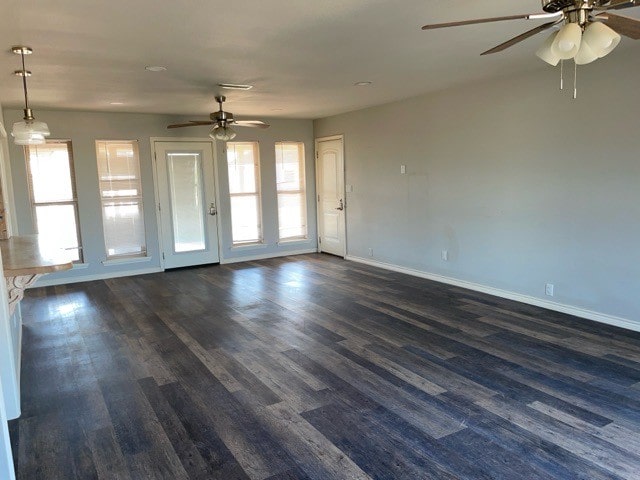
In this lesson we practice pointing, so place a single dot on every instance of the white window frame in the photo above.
(121, 258)
(257, 193)
(74, 194)
(302, 191)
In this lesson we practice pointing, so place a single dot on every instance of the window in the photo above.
(292, 197)
(52, 190)
(244, 189)
(121, 197)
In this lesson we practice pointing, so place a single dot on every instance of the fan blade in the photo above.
(529, 16)
(251, 123)
(192, 123)
(627, 26)
(619, 5)
(521, 37)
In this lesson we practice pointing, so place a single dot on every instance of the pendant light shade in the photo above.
(601, 39)
(223, 133)
(29, 131)
(567, 41)
(545, 52)
(585, 54)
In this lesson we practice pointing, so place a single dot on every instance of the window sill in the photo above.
(79, 266)
(125, 260)
(249, 246)
(293, 241)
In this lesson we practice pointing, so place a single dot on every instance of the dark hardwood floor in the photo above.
(312, 367)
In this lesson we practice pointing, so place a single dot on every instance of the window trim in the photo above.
(74, 192)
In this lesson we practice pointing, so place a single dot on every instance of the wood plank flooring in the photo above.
(311, 367)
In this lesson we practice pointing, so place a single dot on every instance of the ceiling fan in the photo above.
(222, 122)
(590, 30)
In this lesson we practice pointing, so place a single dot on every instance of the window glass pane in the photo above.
(121, 195)
(187, 197)
(58, 223)
(292, 203)
(245, 222)
(242, 168)
(289, 167)
(292, 215)
(124, 227)
(50, 169)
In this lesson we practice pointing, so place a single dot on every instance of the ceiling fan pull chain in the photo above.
(561, 74)
(575, 80)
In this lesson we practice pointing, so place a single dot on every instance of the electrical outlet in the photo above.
(403, 169)
(548, 289)
(445, 255)
(371, 252)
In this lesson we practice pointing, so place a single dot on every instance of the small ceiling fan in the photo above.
(590, 30)
(222, 122)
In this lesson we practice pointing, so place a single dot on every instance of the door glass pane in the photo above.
(58, 223)
(187, 201)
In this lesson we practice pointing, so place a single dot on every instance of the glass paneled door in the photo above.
(187, 203)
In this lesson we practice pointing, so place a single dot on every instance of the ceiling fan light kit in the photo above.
(28, 131)
(589, 30)
(222, 133)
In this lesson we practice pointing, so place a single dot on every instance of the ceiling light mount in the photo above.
(21, 50)
(29, 131)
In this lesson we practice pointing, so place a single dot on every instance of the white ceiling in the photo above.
(302, 56)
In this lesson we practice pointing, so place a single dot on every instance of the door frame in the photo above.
(344, 188)
(156, 191)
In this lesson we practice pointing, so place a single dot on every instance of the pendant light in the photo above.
(29, 131)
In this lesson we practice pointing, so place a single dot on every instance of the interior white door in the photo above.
(331, 199)
(187, 203)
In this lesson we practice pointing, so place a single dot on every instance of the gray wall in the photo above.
(84, 128)
(520, 183)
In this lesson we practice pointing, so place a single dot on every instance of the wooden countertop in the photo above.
(31, 255)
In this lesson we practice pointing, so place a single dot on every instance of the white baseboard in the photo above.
(518, 297)
(45, 282)
(264, 256)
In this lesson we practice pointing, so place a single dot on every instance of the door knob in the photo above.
(341, 207)
(212, 210)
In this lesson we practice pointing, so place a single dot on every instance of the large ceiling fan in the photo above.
(222, 122)
(590, 31)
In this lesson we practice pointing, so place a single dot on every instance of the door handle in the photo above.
(212, 210)
(341, 207)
